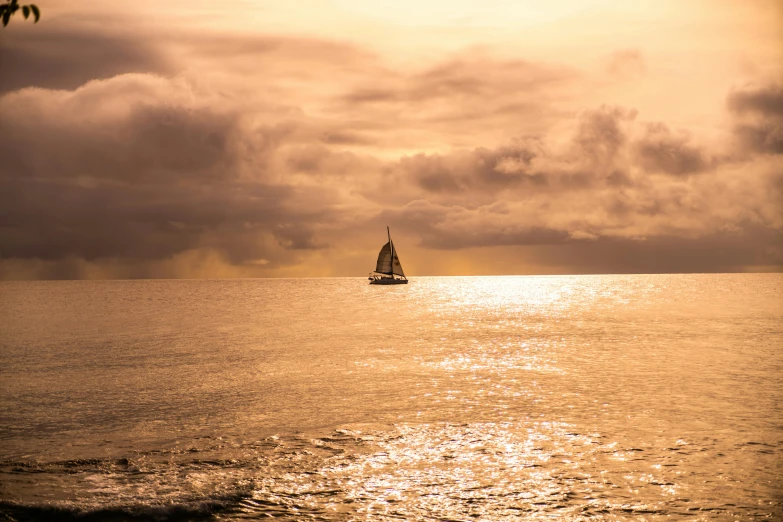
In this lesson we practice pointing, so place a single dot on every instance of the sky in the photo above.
(251, 138)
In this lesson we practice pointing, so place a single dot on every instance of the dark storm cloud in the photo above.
(134, 169)
(601, 134)
(53, 220)
(766, 100)
(66, 55)
(661, 150)
(151, 144)
(67, 52)
(618, 187)
(608, 149)
(143, 168)
(759, 113)
(482, 169)
(598, 142)
(764, 136)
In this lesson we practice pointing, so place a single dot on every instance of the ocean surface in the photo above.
(640, 397)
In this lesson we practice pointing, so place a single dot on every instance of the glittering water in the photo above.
(497, 398)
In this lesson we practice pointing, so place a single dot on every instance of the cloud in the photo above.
(759, 111)
(607, 148)
(143, 168)
(602, 134)
(68, 54)
(766, 100)
(457, 101)
(281, 155)
(615, 181)
(661, 150)
(116, 129)
(465, 78)
(482, 169)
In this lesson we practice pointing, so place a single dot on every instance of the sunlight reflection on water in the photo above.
(495, 471)
(607, 397)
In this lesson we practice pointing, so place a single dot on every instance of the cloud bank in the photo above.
(228, 156)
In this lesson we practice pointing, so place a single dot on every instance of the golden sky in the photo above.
(248, 138)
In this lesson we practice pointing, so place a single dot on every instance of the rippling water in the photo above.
(492, 398)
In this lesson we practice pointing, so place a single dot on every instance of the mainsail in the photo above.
(385, 264)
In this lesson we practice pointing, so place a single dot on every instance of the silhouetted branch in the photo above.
(10, 7)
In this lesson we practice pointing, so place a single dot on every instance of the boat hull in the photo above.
(389, 281)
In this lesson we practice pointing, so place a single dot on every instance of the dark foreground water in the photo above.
(497, 398)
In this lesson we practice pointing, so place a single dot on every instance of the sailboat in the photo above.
(388, 270)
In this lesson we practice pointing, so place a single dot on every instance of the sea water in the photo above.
(633, 397)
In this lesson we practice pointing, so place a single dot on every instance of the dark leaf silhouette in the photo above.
(10, 7)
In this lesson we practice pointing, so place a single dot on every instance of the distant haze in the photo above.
(249, 138)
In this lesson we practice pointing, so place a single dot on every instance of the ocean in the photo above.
(627, 397)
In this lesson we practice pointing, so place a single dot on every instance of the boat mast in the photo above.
(391, 252)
